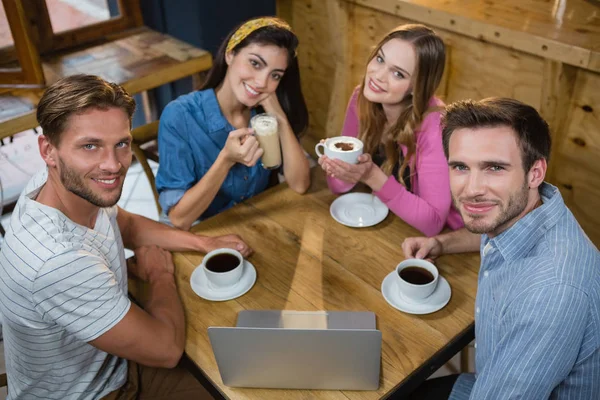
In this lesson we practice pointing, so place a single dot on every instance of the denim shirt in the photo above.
(537, 311)
(191, 134)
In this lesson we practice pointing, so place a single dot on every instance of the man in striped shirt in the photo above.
(537, 312)
(69, 326)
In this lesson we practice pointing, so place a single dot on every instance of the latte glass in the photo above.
(267, 134)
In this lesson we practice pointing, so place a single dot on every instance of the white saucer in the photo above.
(438, 299)
(200, 285)
(358, 210)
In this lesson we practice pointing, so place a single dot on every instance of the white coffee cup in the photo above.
(334, 148)
(412, 290)
(223, 275)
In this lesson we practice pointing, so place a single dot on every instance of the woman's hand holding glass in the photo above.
(242, 147)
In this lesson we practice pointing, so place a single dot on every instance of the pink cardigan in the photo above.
(429, 208)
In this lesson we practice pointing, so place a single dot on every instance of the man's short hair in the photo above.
(76, 94)
(533, 134)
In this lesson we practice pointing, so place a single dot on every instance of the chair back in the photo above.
(141, 135)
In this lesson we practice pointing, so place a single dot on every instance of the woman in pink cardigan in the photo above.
(395, 114)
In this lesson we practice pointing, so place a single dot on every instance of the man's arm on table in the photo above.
(78, 291)
(459, 241)
(154, 336)
(138, 231)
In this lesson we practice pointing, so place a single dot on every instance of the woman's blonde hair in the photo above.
(430, 53)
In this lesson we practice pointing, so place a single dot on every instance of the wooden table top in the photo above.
(306, 261)
(563, 30)
(141, 61)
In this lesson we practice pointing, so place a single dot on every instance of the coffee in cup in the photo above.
(223, 268)
(342, 146)
(416, 275)
(267, 134)
(345, 148)
(416, 279)
(222, 262)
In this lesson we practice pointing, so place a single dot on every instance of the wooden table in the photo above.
(141, 61)
(306, 261)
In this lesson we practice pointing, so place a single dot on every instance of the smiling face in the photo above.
(489, 186)
(255, 71)
(94, 155)
(389, 73)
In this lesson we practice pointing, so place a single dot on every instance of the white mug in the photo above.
(334, 148)
(227, 279)
(412, 291)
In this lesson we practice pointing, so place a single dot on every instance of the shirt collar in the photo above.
(519, 239)
(212, 111)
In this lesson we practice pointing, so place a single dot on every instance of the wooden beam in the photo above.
(557, 96)
(26, 49)
(284, 10)
(456, 17)
(40, 25)
(341, 38)
(130, 9)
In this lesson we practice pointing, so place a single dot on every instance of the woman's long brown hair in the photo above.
(430, 59)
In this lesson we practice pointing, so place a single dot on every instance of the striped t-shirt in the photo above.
(61, 286)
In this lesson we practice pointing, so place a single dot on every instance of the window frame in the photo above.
(33, 37)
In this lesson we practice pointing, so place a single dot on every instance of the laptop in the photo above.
(335, 350)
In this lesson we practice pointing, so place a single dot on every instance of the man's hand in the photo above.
(228, 241)
(151, 263)
(422, 247)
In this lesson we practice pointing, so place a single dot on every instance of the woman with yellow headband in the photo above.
(208, 154)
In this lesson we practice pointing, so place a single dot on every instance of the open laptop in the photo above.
(299, 350)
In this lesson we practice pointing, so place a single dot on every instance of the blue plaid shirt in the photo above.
(537, 312)
(191, 134)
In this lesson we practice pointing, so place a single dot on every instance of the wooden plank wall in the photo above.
(336, 37)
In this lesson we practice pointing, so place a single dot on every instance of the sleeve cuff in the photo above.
(119, 312)
(168, 198)
(338, 186)
(462, 387)
(390, 190)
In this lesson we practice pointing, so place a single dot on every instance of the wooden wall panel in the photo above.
(580, 189)
(479, 70)
(317, 66)
(581, 143)
(576, 163)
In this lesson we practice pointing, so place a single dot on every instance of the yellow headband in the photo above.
(252, 25)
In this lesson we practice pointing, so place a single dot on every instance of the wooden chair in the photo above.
(142, 135)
